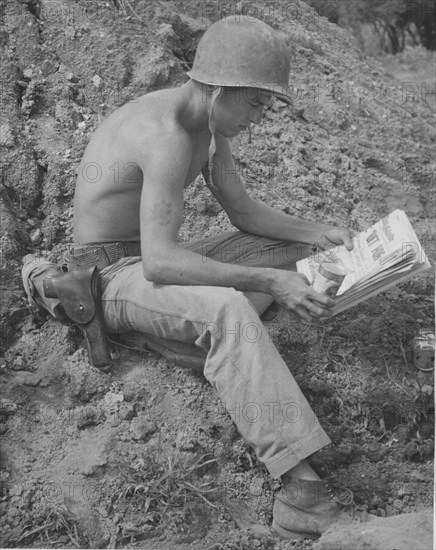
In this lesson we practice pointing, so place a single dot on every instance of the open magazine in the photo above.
(384, 255)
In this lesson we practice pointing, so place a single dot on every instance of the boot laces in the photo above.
(339, 494)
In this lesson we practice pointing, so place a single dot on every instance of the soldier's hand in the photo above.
(292, 290)
(334, 237)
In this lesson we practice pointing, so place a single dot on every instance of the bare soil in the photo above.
(146, 457)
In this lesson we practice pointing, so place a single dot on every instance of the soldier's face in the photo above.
(237, 108)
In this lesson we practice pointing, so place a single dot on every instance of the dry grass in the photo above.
(167, 489)
(49, 524)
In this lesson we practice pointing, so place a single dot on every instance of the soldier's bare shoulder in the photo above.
(147, 115)
(135, 132)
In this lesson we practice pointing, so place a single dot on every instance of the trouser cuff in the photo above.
(291, 456)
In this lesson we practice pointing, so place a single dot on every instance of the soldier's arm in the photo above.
(165, 262)
(257, 218)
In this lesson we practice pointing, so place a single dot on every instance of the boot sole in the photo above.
(292, 535)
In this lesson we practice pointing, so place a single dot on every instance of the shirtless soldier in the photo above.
(202, 301)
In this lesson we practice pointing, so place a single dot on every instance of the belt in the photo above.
(101, 254)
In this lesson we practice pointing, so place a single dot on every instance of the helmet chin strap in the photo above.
(212, 129)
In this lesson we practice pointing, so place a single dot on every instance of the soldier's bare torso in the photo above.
(109, 183)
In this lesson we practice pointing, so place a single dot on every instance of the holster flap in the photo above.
(77, 290)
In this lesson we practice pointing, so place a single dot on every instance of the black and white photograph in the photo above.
(217, 273)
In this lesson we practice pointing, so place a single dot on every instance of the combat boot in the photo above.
(305, 509)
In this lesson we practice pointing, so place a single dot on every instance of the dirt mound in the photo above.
(147, 456)
(406, 532)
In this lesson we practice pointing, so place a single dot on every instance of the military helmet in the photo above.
(241, 51)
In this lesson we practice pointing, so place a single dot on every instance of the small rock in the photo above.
(45, 382)
(13, 512)
(89, 416)
(112, 398)
(375, 454)
(4, 475)
(96, 80)
(403, 491)
(256, 487)
(415, 474)
(375, 501)
(398, 504)
(165, 31)
(142, 426)
(130, 393)
(7, 406)
(71, 77)
(327, 179)
(28, 73)
(49, 66)
(31, 379)
(269, 158)
(18, 363)
(127, 412)
(286, 137)
(36, 236)
(402, 433)
(6, 136)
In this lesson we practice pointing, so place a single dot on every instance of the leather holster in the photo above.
(79, 294)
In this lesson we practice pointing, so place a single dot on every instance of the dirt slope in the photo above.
(147, 457)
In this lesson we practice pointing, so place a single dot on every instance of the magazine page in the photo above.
(388, 243)
(391, 278)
